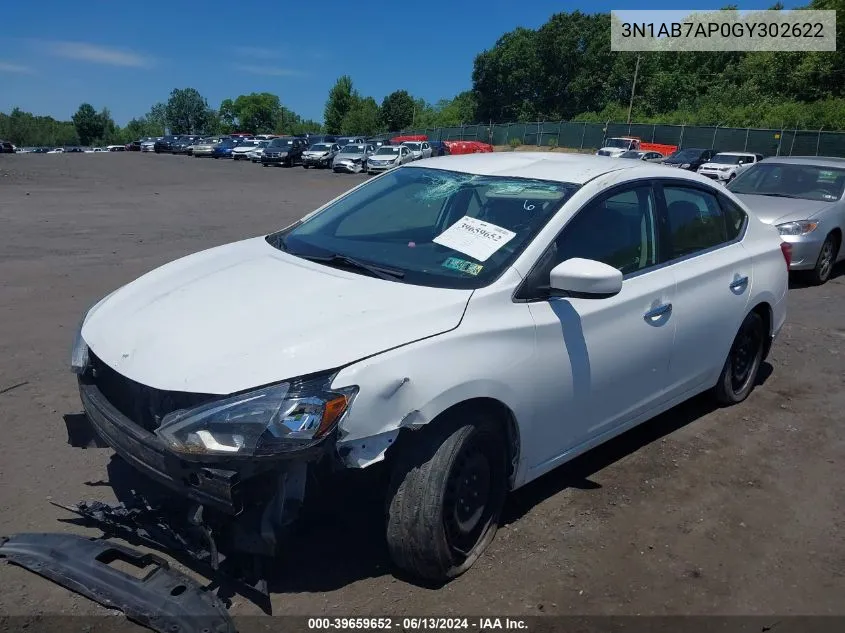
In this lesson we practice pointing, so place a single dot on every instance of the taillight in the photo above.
(786, 249)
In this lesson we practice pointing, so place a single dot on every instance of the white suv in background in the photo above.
(726, 166)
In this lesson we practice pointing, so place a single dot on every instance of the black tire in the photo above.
(739, 374)
(826, 261)
(264, 165)
(447, 489)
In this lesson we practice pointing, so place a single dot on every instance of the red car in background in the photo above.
(468, 147)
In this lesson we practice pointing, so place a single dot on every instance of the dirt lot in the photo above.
(735, 511)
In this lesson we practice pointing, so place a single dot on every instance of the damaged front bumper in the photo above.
(348, 166)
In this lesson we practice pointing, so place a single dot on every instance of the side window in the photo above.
(620, 231)
(734, 217)
(696, 222)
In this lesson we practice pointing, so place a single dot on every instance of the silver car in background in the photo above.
(320, 155)
(419, 149)
(205, 146)
(803, 198)
(352, 158)
(641, 154)
(255, 154)
(387, 157)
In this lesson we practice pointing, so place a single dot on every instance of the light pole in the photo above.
(633, 88)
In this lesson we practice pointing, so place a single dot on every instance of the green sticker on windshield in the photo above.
(462, 265)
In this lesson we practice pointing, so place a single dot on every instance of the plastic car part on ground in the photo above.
(163, 599)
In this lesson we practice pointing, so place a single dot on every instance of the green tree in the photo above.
(397, 110)
(88, 124)
(257, 112)
(157, 119)
(340, 101)
(187, 111)
(363, 117)
(458, 110)
(506, 77)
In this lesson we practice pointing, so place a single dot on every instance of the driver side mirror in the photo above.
(585, 278)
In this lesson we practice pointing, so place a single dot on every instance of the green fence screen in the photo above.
(589, 136)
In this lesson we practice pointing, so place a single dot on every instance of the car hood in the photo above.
(246, 314)
(315, 152)
(718, 166)
(340, 157)
(773, 210)
(244, 150)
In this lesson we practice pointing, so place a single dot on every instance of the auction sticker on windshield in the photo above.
(475, 238)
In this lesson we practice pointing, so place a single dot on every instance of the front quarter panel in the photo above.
(489, 355)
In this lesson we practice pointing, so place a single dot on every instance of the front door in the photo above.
(602, 361)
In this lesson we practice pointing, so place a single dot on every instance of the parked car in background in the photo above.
(320, 155)
(438, 148)
(725, 166)
(617, 145)
(419, 149)
(285, 151)
(256, 153)
(134, 146)
(639, 154)
(205, 146)
(803, 198)
(352, 158)
(376, 142)
(74, 150)
(96, 150)
(388, 157)
(689, 159)
(343, 141)
(225, 148)
(41, 150)
(242, 149)
(148, 144)
(181, 145)
(165, 144)
(443, 334)
(6, 147)
(58, 150)
(116, 148)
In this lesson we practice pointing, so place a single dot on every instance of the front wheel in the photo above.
(739, 373)
(825, 262)
(447, 491)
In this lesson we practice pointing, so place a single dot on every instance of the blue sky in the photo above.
(126, 56)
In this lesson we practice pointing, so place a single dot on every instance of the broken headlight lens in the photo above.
(285, 417)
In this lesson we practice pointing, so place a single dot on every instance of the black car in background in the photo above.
(285, 151)
(6, 147)
(181, 145)
(134, 146)
(690, 159)
(165, 144)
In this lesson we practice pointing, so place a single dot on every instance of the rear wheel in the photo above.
(826, 260)
(447, 490)
(739, 373)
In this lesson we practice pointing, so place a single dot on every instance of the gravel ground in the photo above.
(700, 511)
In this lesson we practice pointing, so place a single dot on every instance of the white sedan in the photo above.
(419, 149)
(475, 321)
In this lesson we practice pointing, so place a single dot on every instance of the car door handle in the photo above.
(739, 282)
(659, 311)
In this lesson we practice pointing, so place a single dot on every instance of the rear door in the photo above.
(713, 275)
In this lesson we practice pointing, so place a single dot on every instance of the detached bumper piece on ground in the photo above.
(164, 599)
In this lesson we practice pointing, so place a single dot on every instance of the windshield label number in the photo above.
(476, 238)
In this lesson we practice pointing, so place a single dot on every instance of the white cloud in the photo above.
(9, 67)
(273, 71)
(96, 54)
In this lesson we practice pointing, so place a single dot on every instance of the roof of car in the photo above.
(819, 161)
(735, 154)
(560, 167)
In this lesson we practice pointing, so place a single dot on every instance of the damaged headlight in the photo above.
(79, 352)
(285, 417)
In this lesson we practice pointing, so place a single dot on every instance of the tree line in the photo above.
(563, 70)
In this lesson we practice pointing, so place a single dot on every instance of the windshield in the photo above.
(248, 144)
(413, 146)
(353, 149)
(791, 181)
(730, 159)
(438, 228)
(631, 154)
(387, 151)
(685, 155)
(281, 142)
(320, 147)
(617, 142)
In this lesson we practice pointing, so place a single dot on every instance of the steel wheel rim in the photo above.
(826, 259)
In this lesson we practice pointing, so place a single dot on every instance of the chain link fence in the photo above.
(589, 136)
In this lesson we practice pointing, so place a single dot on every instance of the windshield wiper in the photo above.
(771, 195)
(376, 271)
